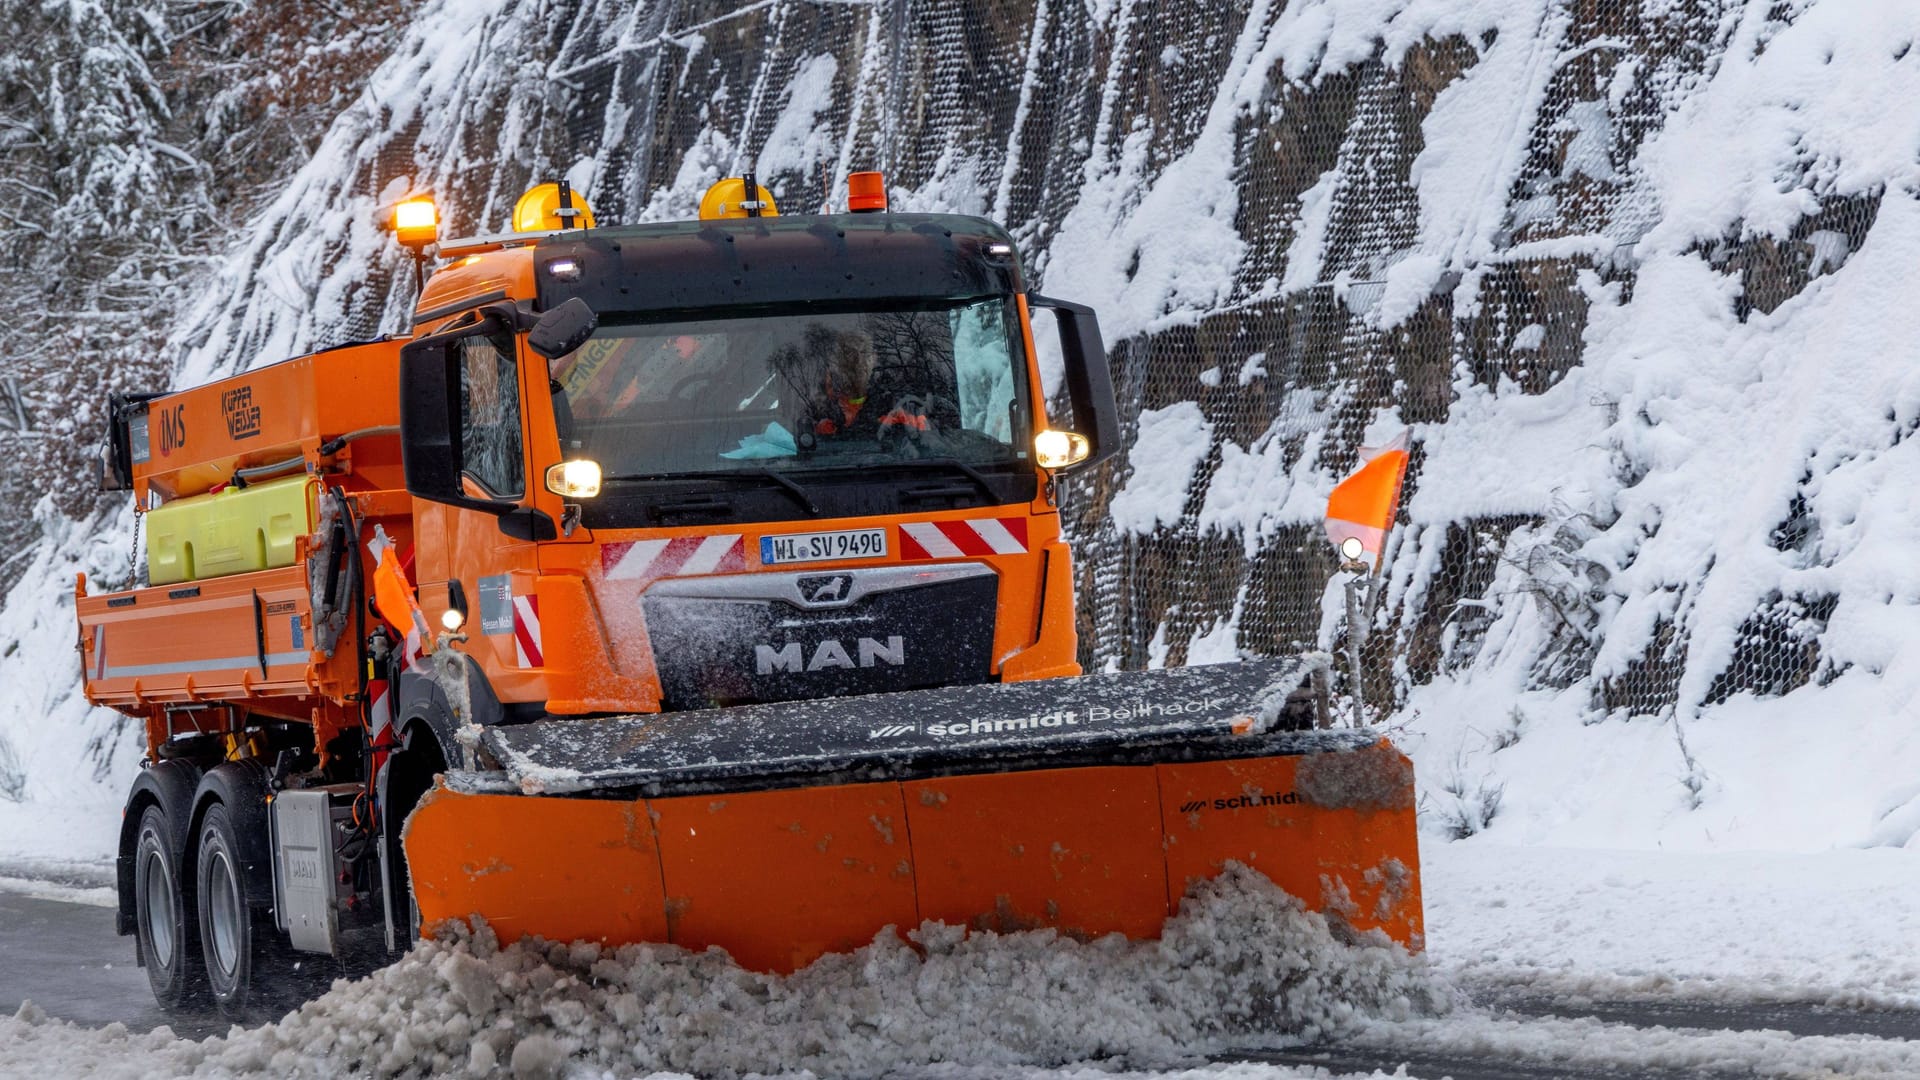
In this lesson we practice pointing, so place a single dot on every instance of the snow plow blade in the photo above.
(782, 832)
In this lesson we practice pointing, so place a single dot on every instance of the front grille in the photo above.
(817, 633)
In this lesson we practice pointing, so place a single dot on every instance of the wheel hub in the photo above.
(224, 911)
(159, 905)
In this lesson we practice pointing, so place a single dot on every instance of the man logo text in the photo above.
(830, 654)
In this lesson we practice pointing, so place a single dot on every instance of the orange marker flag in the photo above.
(392, 594)
(1362, 505)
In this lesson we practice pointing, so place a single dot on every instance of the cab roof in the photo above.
(776, 261)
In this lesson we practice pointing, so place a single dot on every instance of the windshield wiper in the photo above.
(972, 473)
(793, 489)
(799, 493)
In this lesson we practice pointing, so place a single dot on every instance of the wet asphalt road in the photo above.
(65, 958)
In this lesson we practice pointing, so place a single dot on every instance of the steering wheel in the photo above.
(683, 389)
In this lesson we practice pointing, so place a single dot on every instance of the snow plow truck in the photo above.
(698, 582)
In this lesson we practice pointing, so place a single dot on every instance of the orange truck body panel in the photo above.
(222, 639)
(245, 641)
(198, 437)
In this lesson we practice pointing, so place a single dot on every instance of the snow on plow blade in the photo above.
(782, 832)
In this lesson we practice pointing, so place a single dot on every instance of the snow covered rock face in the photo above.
(1636, 273)
(1242, 958)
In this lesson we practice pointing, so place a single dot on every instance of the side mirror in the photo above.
(529, 524)
(1089, 381)
(430, 450)
(562, 330)
(126, 440)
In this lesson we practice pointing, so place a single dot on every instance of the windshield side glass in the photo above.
(490, 415)
(799, 390)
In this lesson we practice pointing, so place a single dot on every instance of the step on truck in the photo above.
(697, 582)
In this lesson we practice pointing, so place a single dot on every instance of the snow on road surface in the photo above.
(1241, 958)
(1242, 966)
(1835, 927)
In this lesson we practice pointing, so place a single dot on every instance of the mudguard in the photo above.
(242, 787)
(170, 784)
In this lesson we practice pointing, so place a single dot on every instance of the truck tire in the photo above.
(404, 780)
(165, 927)
(239, 944)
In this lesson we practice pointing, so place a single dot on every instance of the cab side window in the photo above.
(490, 449)
(985, 365)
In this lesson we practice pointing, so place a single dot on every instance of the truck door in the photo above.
(465, 406)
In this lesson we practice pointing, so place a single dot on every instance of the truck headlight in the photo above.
(574, 479)
(1059, 449)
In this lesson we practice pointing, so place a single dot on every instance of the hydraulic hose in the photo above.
(332, 446)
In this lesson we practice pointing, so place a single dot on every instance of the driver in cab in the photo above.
(845, 362)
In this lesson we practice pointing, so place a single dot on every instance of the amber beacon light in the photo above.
(416, 223)
(866, 192)
(551, 206)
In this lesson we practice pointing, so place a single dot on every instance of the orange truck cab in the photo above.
(771, 458)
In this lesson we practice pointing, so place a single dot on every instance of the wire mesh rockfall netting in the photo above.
(1305, 226)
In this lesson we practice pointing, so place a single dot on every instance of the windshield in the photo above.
(797, 390)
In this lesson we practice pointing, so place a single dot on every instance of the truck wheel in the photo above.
(237, 943)
(167, 933)
(408, 776)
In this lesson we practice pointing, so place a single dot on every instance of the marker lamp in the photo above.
(416, 222)
(1059, 449)
(574, 479)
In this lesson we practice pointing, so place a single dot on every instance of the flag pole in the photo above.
(1359, 517)
(1357, 586)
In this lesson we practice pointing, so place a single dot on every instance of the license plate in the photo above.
(823, 546)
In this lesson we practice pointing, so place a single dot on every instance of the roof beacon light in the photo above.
(866, 192)
(551, 206)
(416, 223)
(728, 199)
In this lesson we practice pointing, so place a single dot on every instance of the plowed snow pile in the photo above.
(1241, 958)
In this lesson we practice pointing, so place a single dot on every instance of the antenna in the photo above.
(750, 197)
(566, 212)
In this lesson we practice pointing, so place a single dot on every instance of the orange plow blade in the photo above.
(1092, 824)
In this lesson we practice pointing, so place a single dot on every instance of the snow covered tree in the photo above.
(135, 136)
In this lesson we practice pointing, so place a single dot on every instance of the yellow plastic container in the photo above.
(229, 532)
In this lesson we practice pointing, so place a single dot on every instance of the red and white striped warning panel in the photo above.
(973, 536)
(689, 556)
(526, 631)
